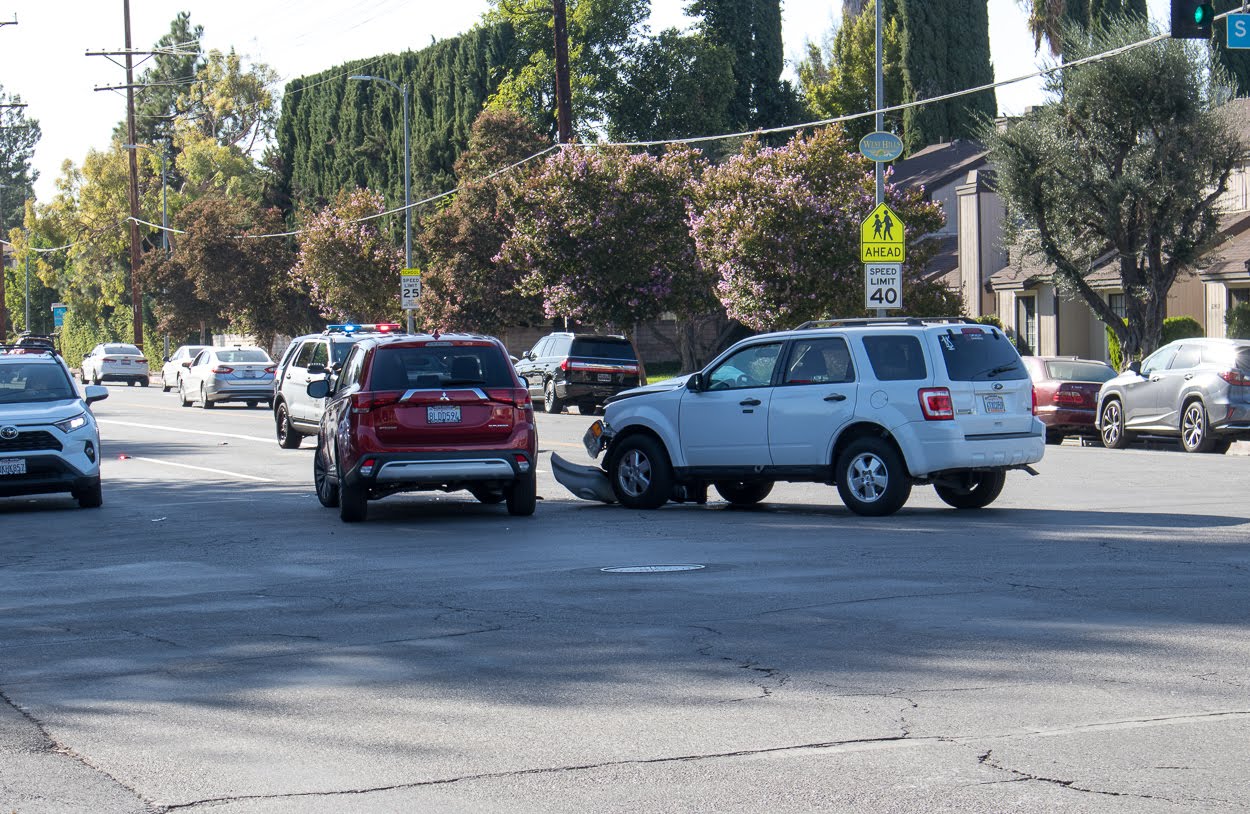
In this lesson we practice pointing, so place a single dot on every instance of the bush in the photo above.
(1181, 328)
(1237, 321)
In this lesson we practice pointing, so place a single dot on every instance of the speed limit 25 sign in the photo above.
(410, 288)
(883, 285)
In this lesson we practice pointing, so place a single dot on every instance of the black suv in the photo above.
(584, 369)
(307, 359)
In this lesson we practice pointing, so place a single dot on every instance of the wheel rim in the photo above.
(1111, 424)
(549, 396)
(319, 475)
(868, 477)
(282, 424)
(1193, 428)
(633, 473)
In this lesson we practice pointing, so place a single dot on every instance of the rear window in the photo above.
(896, 358)
(603, 349)
(976, 355)
(1243, 359)
(441, 366)
(1074, 371)
(123, 350)
(242, 356)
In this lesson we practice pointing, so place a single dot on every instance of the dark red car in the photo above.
(1065, 394)
(421, 413)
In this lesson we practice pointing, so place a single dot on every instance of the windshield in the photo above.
(242, 356)
(977, 355)
(603, 349)
(1077, 371)
(34, 382)
(123, 350)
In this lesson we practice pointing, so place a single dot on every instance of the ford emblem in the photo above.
(998, 385)
(8, 433)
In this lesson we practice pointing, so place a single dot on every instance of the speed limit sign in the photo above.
(410, 288)
(883, 285)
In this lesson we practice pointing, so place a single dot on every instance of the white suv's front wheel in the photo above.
(641, 475)
(872, 478)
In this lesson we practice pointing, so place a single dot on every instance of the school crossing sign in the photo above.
(881, 237)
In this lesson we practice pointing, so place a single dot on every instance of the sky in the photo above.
(43, 58)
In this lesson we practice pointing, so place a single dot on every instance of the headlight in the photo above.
(71, 424)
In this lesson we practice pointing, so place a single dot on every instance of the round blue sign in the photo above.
(881, 146)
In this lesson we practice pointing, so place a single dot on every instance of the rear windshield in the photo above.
(603, 349)
(34, 382)
(242, 356)
(442, 366)
(977, 355)
(123, 350)
(1243, 359)
(1076, 371)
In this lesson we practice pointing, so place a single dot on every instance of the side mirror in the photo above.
(166, 359)
(86, 356)
(696, 382)
(318, 389)
(95, 392)
(1135, 366)
(316, 369)
(187, 363)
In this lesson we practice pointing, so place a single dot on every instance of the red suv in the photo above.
(421, 413)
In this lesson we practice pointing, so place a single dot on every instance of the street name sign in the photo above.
(58, 314)
(881, 237)
(881, 147)
(1239, 30)
(410, 288)
(883, 285)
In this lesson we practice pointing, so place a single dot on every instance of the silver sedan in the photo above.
(228, 374)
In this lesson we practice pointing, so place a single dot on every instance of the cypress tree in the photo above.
(751, 31)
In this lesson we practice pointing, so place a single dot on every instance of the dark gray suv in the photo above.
(1196, 390)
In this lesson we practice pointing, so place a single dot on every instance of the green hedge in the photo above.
(78, 336)
(1175, 328)
(1237, 321)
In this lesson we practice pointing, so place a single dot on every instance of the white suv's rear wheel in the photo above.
(872, 479)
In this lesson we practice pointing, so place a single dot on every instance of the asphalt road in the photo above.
(212, 639)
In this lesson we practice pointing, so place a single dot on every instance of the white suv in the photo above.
(872, 405)
(49, 441)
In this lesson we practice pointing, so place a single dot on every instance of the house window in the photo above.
(1116, 301)
(1026, 325)
(1238, 296)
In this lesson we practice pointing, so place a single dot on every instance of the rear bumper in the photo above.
(134, 375)
(261, 391)
(942, 446)
(1069, 419)
(393, 471)
(581, 391)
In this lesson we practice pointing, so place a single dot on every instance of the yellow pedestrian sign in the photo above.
(881, 237)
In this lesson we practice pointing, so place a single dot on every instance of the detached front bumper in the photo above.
(586, 482)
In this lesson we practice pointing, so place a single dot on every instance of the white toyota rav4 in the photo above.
(874, 406)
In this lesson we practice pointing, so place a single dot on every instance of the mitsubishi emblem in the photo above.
(444, 397)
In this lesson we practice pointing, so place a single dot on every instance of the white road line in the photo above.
(189, 432)
(200, 468)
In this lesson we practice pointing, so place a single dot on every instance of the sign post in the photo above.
(410, 292)
(883, 250)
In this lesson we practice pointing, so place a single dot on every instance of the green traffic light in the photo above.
(1200, 15)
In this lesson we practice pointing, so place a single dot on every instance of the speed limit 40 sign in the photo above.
(883, 285)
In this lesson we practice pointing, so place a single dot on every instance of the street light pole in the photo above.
(403, 90)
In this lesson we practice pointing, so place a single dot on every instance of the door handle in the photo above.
(750, 402)
(835, 397)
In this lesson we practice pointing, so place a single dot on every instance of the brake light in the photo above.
(516, 396)
(1034, 390)
(1235, 377)
(223, 369)
(271, 370)
(564, 365)
(936, 404)
(141, 361)
(364, 402)
(109, 359)
(1072, 398)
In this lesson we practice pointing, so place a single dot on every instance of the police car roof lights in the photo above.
(352, 327)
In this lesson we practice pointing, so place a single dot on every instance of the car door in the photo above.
(814, 398)
(335, 429)
(1141, 393)
(194, 375)
(725, 425)
(1172, 382)
(529, 370)
(91, 364)
(295, 381)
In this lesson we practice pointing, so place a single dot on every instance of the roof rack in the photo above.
(859, 322)
(28, 350)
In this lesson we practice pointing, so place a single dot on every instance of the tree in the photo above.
(780, 230)
(1125, 164)
(946, 48)
(18, 137)
(840, 79)
(1049, 18)
(174, 69)
(466, 286)
(349, 268)
(603, 234)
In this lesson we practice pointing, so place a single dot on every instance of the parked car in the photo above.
(1065, 394)
(417, 413)
(176, 363)
(217, 375)
(49, 441)
(307, 359)
(115, 362)
(874, 406)
(1196, 390)
(35, 344)
(581, 369)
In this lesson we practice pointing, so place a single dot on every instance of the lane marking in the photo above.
(182, 430)
(225, 472)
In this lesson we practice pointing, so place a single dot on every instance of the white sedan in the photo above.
(176, 363)
(228, 374)
(115, 362)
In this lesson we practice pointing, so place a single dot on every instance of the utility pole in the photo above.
(4, 310)
(564, 107)
(880, 170)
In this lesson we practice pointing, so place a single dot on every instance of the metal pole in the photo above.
(164, 208)
(136, 255)
(880, 169)
(407, 200)
(27, 281)
(4, 311)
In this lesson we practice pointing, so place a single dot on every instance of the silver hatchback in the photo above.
(1196, 390)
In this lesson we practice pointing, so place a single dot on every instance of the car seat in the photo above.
(466, 368)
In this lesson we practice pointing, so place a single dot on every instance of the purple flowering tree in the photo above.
(779, 230)
(350, 269)
(604, 237)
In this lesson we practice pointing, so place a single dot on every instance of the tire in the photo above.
(132, 382)
(586, 407)
(1221, 446)
(488, 496)
(1114, 436)
(95, 379)
(551, 402)
(872, 478)
(1054, 438)
(288, 436)
(144, 382)
(742, 493)
(205, 404)
(522, 495)
(353, 501)
(82, 375)
(982, 490)
(183, 401)
(90, 498)
(327, 490)
(164, 387)
(251, 405)
(1195, 430)
(641, 475)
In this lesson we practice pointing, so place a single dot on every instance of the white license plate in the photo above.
(124, 362)
(12, 466)
(994, 404)
(442, 415)
(248, 374)
(605, 377)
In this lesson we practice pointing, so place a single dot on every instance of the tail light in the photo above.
(272, 369)
(223, 369)
(1069, 398)
(564, 365)
(936, 404)
(518, 397)
(109, 359)
(1235, 377)
(1034, 399)
(365, 402)
(141, 361)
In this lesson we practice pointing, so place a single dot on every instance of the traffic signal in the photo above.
(1191, 19)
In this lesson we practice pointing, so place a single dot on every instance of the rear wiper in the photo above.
(994, 371)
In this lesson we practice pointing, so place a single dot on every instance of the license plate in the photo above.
(994, 404)
(248, 374)
(605, 377)
(12, 466)
(124, 362)
(442, 415)
(593, 439)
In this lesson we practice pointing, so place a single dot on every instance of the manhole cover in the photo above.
(650, 569)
